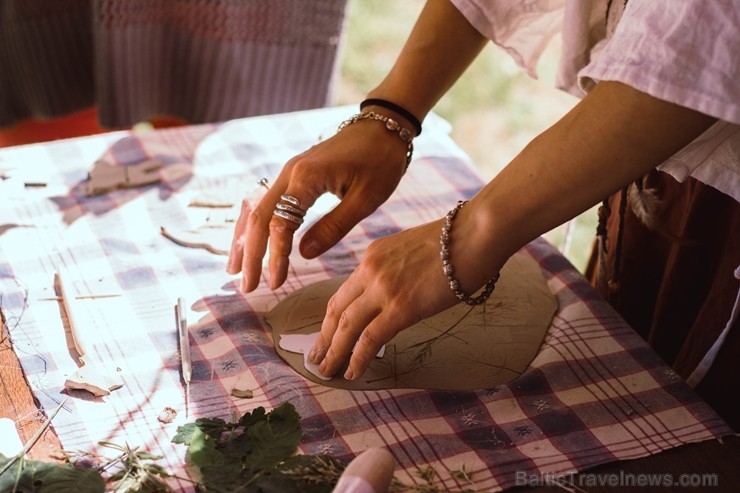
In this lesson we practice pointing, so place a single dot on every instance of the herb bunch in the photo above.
(256, 454)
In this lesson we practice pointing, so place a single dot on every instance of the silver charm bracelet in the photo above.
(444, 254)
(390, 124)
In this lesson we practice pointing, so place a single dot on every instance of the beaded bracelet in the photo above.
(394, 107)
(390, 124)
(444, 254)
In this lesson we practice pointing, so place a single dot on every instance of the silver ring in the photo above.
(290, 199)
(264, 182)
(290, 208)
(288, 216)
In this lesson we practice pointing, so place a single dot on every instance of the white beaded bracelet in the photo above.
(444, 254)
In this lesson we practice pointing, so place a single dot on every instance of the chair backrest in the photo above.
(198, 60)
(206, 60)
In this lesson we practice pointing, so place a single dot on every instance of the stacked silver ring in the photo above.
(289, 208)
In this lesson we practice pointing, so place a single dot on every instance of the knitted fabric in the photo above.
(200, 60)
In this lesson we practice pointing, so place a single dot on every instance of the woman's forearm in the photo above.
(613, 136)
(441, 46)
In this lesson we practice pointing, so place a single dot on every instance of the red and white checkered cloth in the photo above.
(595, 393)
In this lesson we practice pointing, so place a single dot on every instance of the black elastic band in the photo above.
(394, 107)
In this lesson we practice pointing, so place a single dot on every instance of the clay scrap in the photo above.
(106, 176)
(217, 229)
(92, 376)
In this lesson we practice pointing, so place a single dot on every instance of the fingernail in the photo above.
(322, 367)
(312, 355)
(311, 249)
(244, 285)
(278, 276)
(349, 375)
(317, 354)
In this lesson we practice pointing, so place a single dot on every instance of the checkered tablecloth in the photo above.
(595, 393)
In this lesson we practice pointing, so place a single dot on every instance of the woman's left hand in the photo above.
(399, 282)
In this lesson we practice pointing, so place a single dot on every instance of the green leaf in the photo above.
(260, 440)
(219, 472)
(255, 416)
(243, 455)
(184, 433)
(275, 438)
(50, 477)
(203, 453)
(214, 427)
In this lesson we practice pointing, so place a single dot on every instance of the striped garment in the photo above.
(199, 60)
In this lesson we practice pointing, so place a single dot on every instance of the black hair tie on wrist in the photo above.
(394, 107)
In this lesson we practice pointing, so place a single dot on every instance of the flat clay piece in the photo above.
(461, 348)
(105, 176)
(216, 233)
(302, 344)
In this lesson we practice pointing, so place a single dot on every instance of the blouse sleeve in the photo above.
(685, 52)
(688, 53)
(521, 27)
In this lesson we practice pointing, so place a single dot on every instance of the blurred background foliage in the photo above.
(494, 108)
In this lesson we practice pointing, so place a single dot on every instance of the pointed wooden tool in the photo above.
(187, 368)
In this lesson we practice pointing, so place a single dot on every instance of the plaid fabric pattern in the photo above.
(595, 393)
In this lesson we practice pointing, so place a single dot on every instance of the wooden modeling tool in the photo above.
(83, 297)
(90, 376)
(369, 472)
(187, 368)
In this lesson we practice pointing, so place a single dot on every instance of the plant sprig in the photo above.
(253, 454)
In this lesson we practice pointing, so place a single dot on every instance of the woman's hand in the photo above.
(362, 165)
(399, 282)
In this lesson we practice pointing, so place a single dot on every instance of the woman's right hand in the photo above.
(362, 165)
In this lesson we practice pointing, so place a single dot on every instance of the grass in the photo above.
(494, 108)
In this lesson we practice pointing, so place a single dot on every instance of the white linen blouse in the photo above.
(685, 52)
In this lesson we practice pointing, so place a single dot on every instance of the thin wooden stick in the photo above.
(187, 368)
(83, 297)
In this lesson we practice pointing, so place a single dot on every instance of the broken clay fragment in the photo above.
(242, 393)
(167, 415)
